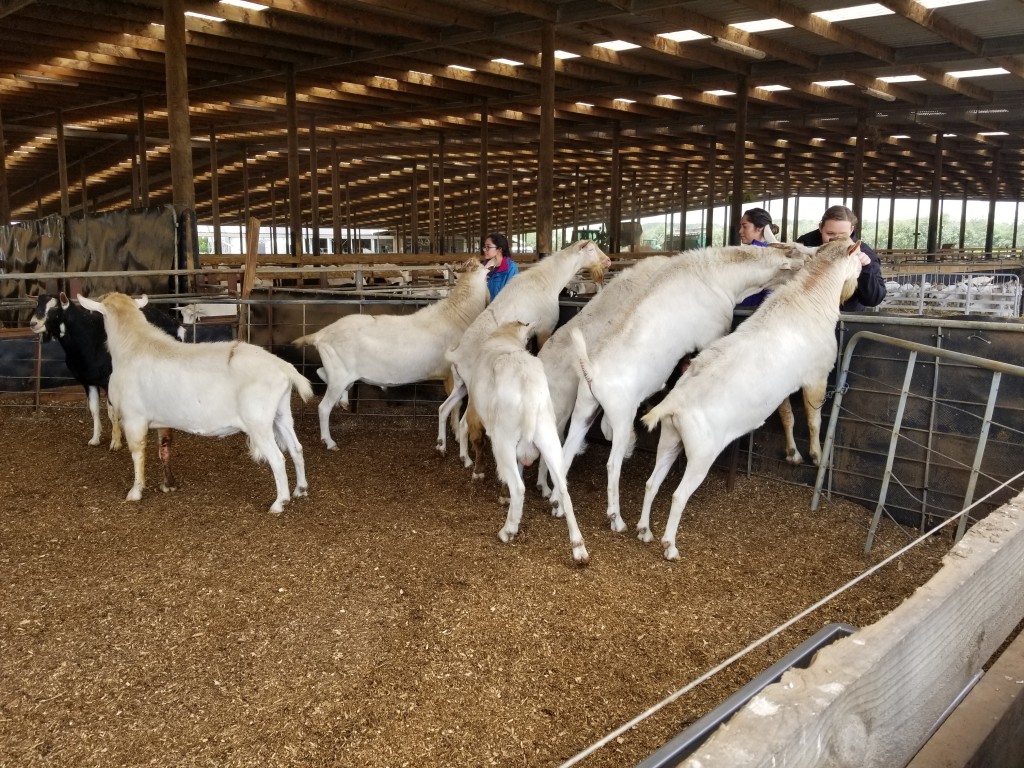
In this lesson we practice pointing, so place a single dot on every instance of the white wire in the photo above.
(778, 630)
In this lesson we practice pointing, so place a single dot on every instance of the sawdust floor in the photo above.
(380, 622)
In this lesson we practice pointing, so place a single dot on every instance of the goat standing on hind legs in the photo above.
(733, 385)
(511, 396)
(216, 389)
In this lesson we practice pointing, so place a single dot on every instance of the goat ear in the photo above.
(90, 304)
(142, 301)
(852, 248)
(65, 302)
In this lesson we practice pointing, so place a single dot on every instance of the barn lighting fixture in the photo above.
(993, 133)
(683, 36)
(203, 16)
(932, 4)
(979, 72)
(854, 12)
(879, 94)
(617, 45)
(245, 4)
(45, 80)
(762, 25)
(902, 79)
(734, 47)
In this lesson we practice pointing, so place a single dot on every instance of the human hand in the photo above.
(864, 258)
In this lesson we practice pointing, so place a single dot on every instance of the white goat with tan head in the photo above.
(510, 393)
(733, 385)
(687, 306)
(391, 350)
(531, 297)
(216, 389)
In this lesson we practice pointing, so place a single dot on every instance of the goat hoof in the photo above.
(795, 458)
(580, 554)
(96, 441)
(478, 475)
(165, 488)
(135, 494)
(616, 523)
(506, 536)
(300, 490)
(440, 448)
(276, 508)
(332, 446)
(557, 511)
(671, 553)
(644, 534)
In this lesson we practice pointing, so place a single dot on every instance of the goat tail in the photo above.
(652, 417)
(301, 384)
(580, 344)
(308, 340)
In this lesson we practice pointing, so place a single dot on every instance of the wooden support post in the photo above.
(441, 212)
(336, 197)
(5, 200)
(709, 224)
(143, 156)
(414, 210)
(546, 152)
(182, 178)
(993, 199)
(933, 211)
(215, 192)
(615, 204)
(858, 167)
(739, 157)
(294, 194)
(484, 173)
(314, 194)
(62, 167)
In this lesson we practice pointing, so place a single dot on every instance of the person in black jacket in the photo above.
(840, 221)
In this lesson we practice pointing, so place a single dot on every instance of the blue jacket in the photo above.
(870, 285)
(497, 277)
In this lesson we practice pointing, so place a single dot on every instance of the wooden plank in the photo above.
(870, 700)
(987, 729)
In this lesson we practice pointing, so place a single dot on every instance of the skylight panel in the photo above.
(565, 55)
(683, 36)
(902, 79)
(854, 12)
(993, 133)
(720, 92)
(773, 87)
(831, 83)
(979, 72)
(617, 45)
(669, 96)
(762, 25)
(508, 62)
(625, 101)
(459, 66)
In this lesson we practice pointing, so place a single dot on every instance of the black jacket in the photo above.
(870, 285)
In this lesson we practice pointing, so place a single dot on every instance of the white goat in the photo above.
(561, 367)
(687, 306)
(510, 393)
(390, 350)
(216, 389)
(530, 297)
(732, 386)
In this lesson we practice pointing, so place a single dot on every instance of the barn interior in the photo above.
(455, 118)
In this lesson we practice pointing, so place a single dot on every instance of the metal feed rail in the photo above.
(998, 369)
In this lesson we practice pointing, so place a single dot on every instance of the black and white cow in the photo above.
(84, 340)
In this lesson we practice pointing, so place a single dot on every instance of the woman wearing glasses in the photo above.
(497, 257)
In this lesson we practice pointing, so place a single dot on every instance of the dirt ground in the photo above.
(380, 621)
